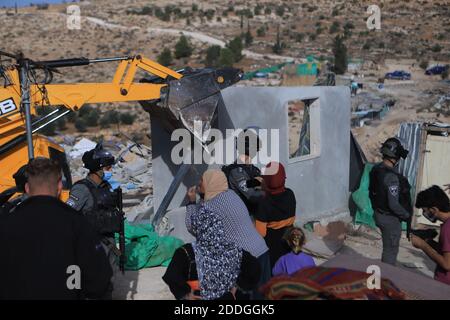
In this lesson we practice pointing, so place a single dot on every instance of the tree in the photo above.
(104, 122)
(261, 31)
(165, 57)
(236, 48)
(340, 55)
(299, 37)
(71, 117)
(85, 110)
(436, 48)
(444, 74)
(423, 65)
(210, 14)
(278, 46)
(334, 27)
(280, 11)
(80, 125)
(127, 118)
(248, 36)
(113, 116)
(182, 48)
(226, 58)
(212, 56)
(91, 118)
(258, 9)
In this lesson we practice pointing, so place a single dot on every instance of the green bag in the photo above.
(144, 248)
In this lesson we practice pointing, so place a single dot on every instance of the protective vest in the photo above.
(104, 215)
(250, 171)
(378, 191)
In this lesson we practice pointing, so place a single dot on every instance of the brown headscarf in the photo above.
(215, 182)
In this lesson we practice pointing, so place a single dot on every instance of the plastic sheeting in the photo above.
(144, 248)
(409, 135)
(364, 211)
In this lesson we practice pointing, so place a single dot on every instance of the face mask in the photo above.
(107, 175)
(431, 217)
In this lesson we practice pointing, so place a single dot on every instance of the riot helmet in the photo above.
(97, 159)
(392, 148)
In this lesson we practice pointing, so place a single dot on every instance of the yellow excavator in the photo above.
(176, 98)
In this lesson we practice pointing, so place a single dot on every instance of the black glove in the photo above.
(253, 183)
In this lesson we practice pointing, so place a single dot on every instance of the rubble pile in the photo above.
(439, 102)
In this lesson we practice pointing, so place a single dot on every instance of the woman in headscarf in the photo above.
(213, 267)
(276, 211)
(238, 228)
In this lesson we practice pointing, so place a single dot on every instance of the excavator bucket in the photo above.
(192, 101)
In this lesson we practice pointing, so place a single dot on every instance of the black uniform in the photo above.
(39, 241)
(391, 201)
(241, 179)
(99, 205)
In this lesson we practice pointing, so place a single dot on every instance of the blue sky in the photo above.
(10, 3)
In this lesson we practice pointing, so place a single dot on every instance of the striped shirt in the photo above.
(238, 225)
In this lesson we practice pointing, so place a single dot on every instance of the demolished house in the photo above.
(318, 168)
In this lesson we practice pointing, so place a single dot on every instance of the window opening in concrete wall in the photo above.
(303, 128)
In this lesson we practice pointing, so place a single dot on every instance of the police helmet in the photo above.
(392, 148)
(97, 158)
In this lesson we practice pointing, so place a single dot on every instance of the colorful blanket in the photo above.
(317, 283)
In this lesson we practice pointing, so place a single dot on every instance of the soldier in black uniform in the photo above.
(390, 196)
(94, 198)
(243, 177)
(44, 239)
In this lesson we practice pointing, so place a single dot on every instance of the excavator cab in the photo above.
(44, 147)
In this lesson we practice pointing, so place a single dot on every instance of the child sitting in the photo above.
(296, 259)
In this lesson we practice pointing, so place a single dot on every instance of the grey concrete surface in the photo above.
(145, 284)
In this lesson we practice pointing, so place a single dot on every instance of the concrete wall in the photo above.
(320, 183)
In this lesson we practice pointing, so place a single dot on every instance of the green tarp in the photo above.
(364, 211)
(144, 248)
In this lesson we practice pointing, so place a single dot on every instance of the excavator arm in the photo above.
(179, 99)
(74, 96)
(183, 98)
